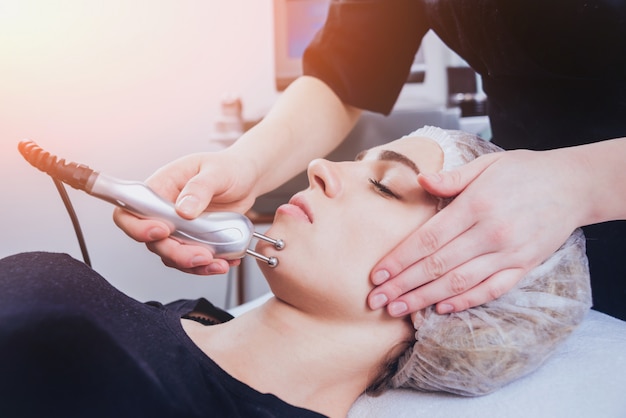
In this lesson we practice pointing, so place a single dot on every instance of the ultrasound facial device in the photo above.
(226, 234)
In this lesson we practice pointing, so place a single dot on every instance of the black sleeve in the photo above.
(365, 50)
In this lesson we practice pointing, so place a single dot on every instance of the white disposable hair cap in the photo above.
(459, 148)
(479, 350)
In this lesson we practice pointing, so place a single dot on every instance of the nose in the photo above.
(323, 174)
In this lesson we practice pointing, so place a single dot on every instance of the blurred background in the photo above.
(125, 87)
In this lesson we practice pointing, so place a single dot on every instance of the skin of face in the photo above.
(350, 216)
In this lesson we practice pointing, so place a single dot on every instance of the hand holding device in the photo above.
(226, 234)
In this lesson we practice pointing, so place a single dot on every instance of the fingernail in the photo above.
(156, 233)
(378, 301)
(380, 276)
(444, 308)
(398, 308)
(187, 204)
(215, 268)
(200, 260)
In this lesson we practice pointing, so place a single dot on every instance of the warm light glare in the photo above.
(76, 68)
(125, 86)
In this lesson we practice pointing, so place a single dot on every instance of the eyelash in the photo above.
(381, 188)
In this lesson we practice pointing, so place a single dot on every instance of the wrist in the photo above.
(246, 166)
(597, 180)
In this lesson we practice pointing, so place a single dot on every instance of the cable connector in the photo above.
(73, 174)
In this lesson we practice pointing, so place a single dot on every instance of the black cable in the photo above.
(70, 210)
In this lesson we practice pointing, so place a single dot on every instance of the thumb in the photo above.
(451, 183)
(194, 198)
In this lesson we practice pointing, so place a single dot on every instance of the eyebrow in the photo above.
(388, 155)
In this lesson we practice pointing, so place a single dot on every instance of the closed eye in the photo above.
(382, 189)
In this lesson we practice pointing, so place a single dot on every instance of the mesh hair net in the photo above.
(479, 350)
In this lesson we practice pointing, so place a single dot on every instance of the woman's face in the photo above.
(352, 214)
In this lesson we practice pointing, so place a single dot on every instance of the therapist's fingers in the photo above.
(429, 238)
(486, 291)
(451, 183)
(441, 228)
(461, 280)
(192, 181)
(142, 230)
(195, 197)
(469, 246)
(188, 258)
(185, 257)
(217, 185)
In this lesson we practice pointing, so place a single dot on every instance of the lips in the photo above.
(298, 207)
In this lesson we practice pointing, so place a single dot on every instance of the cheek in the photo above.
(379, 234)
(327, 264)
(324, 270)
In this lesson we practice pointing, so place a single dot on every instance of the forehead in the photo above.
(424, 152)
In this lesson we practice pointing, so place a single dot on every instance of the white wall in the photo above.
(124, 87)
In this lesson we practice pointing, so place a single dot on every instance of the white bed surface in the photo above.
(585, 377)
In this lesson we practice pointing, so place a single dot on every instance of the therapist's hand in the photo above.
(511, 212)
(192, 182)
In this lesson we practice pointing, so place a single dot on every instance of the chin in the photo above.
(268, 250)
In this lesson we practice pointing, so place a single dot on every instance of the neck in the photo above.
(316, 363)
